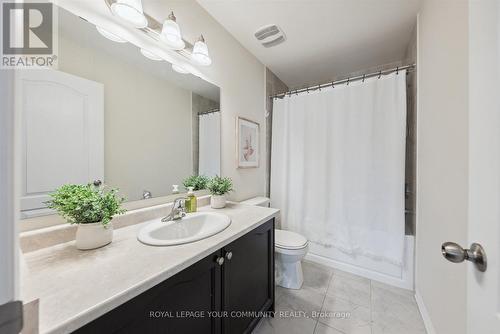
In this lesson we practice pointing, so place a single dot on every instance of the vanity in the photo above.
(227, 291)
(220, 284)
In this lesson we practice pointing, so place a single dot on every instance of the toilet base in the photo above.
(288, 273)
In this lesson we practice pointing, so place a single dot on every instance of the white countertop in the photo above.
(76, 287)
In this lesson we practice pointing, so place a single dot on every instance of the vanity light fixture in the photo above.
(150, 55)
(168, 33)
(171, 33)
(200, 52)
(179, 69)
(130, 11)
(110, 35)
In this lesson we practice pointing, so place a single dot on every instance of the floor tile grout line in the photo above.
(324, 298)
(315, 325)
(322, 306)
(330, 326)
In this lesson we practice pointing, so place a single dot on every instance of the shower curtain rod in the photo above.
(344, 81)
(211, 111)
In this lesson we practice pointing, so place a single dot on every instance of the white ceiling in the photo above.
(325, 38)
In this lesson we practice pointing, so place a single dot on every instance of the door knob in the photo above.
(229, 255)
(220, 260)
(453, 252)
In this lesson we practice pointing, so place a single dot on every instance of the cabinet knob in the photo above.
(220, 260)
(229, 255)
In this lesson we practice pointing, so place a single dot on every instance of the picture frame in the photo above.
(248, 143)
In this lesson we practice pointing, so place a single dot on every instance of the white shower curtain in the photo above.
(209, 144)
(338, 167)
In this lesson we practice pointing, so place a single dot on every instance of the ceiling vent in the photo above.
(270, 35)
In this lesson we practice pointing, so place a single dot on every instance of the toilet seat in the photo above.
(288, 240)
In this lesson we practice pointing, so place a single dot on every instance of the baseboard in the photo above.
(403, 282)
(429, 327)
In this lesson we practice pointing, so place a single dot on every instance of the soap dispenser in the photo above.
(191, 202)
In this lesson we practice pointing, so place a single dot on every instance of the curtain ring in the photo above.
(333, 86)
(379, 74)
(289, 93)
(348, 79)
(307, 90)
(319, 87)
(364, 76)
(397, 70)
(297, 92)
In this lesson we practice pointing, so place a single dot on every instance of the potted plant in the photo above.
(198, 182)
(219, 187)
(90, 207)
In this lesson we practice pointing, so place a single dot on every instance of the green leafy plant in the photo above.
(220, 185)
(86, 204)
(198, 182)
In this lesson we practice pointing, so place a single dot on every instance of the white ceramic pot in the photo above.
(218, 201)
(95, 235)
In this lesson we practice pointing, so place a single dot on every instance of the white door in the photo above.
(62, 133)
(484, 166)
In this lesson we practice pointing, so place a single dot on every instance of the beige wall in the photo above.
(442, 160)
(241, 78)
(148, 121)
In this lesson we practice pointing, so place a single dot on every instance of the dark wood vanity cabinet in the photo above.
(212, 296)
(248, 279)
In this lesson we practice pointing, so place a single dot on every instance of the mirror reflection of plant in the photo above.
(198, 182)
(220, 185)
(86, 204)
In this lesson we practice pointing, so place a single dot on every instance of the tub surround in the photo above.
(75, 287)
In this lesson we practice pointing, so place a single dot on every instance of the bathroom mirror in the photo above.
(114, 113)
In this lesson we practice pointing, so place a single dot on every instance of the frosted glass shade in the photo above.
(200, 53)
(110, 35)
(179, 69)
(171, 34)
(130, 11)
(150, 55)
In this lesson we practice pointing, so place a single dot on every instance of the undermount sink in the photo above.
(193, 227)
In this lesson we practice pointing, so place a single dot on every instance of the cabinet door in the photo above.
(178, 305)
(248, 278)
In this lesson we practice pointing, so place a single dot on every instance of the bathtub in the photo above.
(401, 277)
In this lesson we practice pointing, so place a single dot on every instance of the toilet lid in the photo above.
(289, 240)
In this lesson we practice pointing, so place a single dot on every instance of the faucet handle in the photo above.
(179, 202)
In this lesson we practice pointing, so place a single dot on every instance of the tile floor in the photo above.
(345, 303)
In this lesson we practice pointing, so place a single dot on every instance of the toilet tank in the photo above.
(257, 201)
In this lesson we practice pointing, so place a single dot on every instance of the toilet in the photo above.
(290, 249)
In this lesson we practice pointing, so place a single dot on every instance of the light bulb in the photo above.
(200, 52)
(130, 11)
(110, 35)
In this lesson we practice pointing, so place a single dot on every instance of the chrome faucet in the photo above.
(178, 210)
